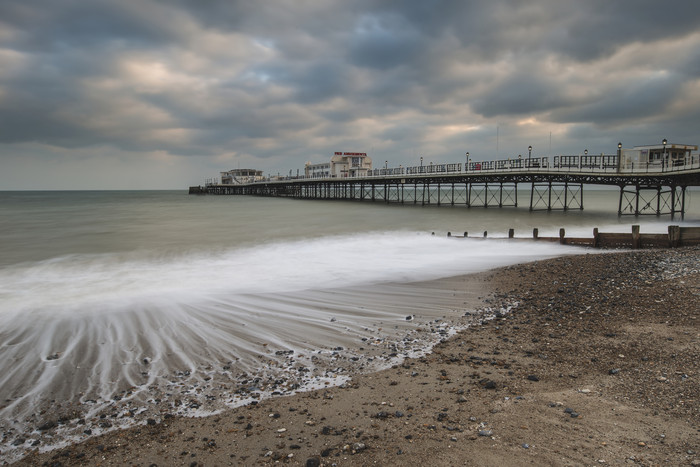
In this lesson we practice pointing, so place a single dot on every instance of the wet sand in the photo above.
(598, 364)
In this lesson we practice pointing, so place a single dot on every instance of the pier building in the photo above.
(240, 176)
(342, 164)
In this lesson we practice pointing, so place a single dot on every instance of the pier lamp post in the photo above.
(386, 167)
(663, 161)
(421, 164)
(619, 156)
(529, 156)
(466, 167)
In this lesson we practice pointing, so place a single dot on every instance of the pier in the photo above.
(653, 188)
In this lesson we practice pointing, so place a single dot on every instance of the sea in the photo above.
(119, 307)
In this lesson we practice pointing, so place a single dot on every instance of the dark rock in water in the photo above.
(150, 421)
(47, 426)
(19, 442)
(52, 357)
(409, 318)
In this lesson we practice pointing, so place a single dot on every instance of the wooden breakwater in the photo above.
(675, 237)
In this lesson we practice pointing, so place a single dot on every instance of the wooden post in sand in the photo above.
(535, 233)
(511, 233)
(636, 239)
(674, 236)
(596, 238)
(562, 233)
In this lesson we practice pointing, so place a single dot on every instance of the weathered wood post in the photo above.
(466, 234)
(596, 238)
(511, 233)
(636, 239)
(449, 234)
(485, 233)
(535, 233)
(562, 233)
(674, 236)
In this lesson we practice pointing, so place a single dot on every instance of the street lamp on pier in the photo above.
(663, 161)
(466, 167)
(529, 156)
(619, 156)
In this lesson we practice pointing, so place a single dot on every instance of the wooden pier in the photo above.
(644, 190)
(675, 237)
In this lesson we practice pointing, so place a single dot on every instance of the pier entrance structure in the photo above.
(650, 182)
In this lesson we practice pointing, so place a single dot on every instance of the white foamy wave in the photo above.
(112, 282)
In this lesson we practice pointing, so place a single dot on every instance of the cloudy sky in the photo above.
(163, 94)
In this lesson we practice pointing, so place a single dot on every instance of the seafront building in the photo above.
(661, 156)
(341, 165)
(239, 176)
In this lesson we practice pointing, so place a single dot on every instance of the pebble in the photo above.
(485, 432)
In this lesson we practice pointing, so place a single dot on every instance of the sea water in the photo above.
(117, 296)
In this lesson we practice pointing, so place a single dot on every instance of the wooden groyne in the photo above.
(676, 237)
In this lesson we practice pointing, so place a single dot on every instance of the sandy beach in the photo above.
(597, 364)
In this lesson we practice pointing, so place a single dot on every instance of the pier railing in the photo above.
(575, 164)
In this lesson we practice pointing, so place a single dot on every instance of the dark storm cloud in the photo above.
(521, 94)
(268, 79)
(632, 100)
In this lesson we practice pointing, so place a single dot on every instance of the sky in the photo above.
(149, 94)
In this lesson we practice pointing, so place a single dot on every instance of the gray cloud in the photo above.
(278, 83)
